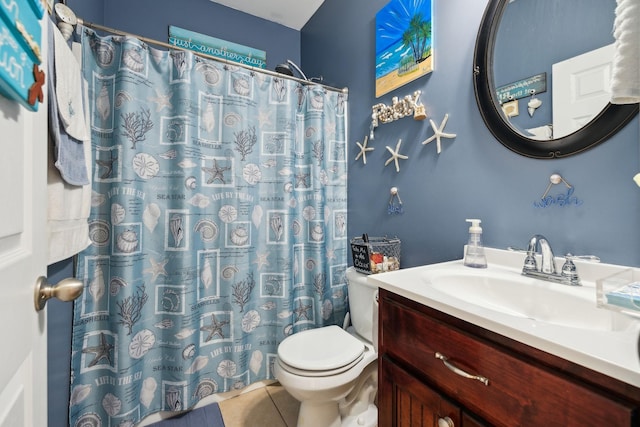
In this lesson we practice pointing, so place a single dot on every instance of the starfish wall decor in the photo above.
(395, 155)
(438, 133)
(363, 150)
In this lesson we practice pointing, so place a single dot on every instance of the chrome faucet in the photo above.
(568, 275)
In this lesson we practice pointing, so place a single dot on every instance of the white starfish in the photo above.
(162, 100)
(261, 260)
(331, 254)
(439, 134)
(264, 117)
(156, 269)
(330, 129)
(395, 155)
(363, 150)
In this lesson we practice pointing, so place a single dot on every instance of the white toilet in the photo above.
(333, 372)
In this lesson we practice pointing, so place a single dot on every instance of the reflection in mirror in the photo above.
(533, 59)
(552, 39)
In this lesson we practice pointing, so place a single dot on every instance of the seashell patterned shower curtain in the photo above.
(218, 228)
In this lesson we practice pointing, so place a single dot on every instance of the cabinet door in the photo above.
(404, 401)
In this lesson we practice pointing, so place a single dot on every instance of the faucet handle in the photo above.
(530, 263)
(569, 270)
(591, 258)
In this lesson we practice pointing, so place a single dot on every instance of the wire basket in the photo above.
(377, 255)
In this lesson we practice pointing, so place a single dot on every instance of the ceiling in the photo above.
(290, 13)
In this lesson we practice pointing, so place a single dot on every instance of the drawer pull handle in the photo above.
(459, 371)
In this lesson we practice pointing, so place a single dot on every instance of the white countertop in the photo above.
(613, 353)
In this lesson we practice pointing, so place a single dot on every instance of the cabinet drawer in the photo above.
(519, 392)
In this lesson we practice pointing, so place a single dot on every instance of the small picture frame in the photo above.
(510, 108)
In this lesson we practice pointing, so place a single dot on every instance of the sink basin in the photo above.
(510, 293)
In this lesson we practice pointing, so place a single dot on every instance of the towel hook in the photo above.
(395, 203)
(553, 180)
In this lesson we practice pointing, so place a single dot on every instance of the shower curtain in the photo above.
(218, 227)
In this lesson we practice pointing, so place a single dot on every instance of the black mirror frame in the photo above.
(610, 120)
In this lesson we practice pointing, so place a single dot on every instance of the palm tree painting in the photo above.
(404, 43)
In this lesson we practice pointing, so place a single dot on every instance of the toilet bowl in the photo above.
(332, 371)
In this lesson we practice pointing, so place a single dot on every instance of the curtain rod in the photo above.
(204, 55)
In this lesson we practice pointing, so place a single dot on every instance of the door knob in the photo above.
(65, 290)
(445, 422)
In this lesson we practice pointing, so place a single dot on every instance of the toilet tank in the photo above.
(362, 304)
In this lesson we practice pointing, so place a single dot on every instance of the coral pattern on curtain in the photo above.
(218, 228)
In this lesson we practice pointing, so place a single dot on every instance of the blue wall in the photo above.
(474, 176)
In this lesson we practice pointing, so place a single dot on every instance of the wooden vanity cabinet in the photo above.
(525, 387)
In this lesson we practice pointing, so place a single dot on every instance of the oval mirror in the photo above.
(532, 60)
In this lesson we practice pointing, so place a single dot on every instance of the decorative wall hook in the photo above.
(419, 112)
(533, 103)
(398, 109)
(511, 108)
(66, 18)
(562, 199)
(553, 180)
(395, 203)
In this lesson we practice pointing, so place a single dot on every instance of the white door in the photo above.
(581, 89)
(23, 257)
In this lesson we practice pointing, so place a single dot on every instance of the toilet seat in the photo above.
(320, 352)
(329, 373)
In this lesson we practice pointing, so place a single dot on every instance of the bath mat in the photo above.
(207, 416)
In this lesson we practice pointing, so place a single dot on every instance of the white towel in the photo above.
(69, 89)
(70, 154)
(69, 205)
(625, 75)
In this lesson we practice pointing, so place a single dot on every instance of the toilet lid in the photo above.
(321, 349)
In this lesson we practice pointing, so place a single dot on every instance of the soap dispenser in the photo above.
(474, 254)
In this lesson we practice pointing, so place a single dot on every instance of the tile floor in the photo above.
(269, 406)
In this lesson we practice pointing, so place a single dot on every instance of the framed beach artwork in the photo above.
(404, 43)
